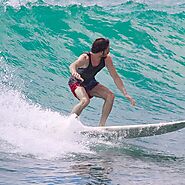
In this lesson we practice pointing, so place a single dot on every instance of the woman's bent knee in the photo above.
(110, 96)
(85, 101)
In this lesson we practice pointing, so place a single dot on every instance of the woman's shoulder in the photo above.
(83, 57)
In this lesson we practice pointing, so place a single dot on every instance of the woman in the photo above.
(84, 85)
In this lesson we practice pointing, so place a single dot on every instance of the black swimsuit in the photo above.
(88, 74)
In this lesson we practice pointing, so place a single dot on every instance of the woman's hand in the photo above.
(77, 76)
(132, 101)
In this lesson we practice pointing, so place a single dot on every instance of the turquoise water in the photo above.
(38, 42)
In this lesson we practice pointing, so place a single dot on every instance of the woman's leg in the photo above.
(103, 92)
(83, 100)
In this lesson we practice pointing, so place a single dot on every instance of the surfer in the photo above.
(84, 85)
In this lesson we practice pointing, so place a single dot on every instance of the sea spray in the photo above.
(29, 129)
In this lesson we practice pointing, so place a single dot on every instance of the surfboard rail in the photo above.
(133, 131)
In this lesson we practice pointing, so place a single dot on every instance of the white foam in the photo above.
(35, 131)
(19, 3)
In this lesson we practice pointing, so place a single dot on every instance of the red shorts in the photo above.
(73, 87)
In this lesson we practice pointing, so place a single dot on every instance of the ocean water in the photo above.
(39, 140)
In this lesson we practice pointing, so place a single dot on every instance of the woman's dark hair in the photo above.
(100, 44)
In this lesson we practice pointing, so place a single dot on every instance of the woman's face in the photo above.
(106, 52)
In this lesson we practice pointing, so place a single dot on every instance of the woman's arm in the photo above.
(117, 79)
(82, 61)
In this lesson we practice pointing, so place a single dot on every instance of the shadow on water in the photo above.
(136, 152)
(123, 160)
(106, 162)
(94, 172)
(128, 157)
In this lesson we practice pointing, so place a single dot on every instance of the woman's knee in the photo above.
(85, 101)
(110, 96)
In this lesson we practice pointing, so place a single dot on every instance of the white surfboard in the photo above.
(132, 131)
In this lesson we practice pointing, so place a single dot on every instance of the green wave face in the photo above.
(39, 40)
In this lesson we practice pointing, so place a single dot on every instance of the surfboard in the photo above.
(132, 131)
